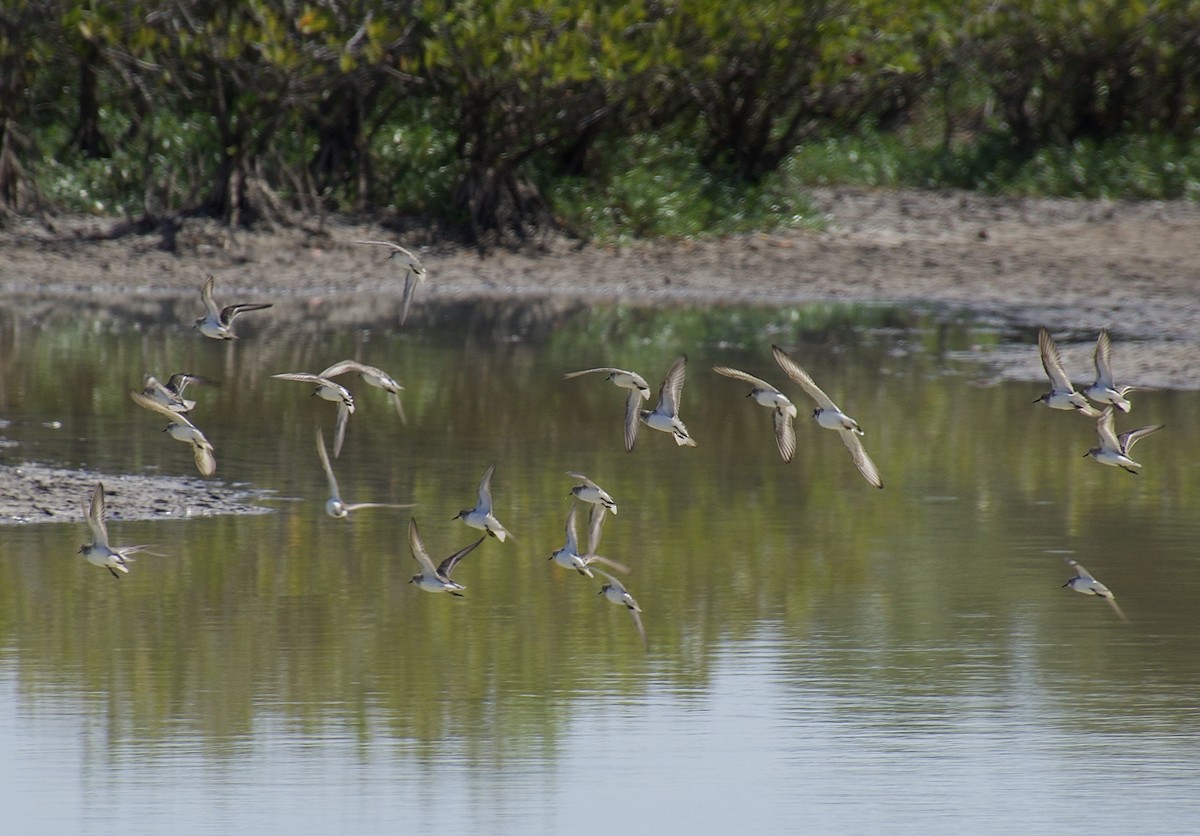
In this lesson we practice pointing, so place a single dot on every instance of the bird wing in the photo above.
(411, 279)
(1132, 437)
(801, 377)
(95, 513)
(1103, 367)
(395, 248)
(785, 433)
(339, 428)
(1078, 567)
(418, 548)
(1106, 432)
(575, 474)
(206, 296)
(327, 467)
(180, 380)
(572, 540)
(230, 311)
(447, 566)
(206, 462)
(633, 405)
(607, 561)
(616, 583)
(307, 377)
(861, 460)
(354, 506)
(737, 374)
(595, 521)
(672, 387)
(341, 368)
(485, 490)
(1052, 362)
(395, 398)
(154, 406)
(1112, 602)
(607, 369)
(636, 615)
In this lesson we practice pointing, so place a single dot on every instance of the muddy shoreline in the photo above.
(1074, 266)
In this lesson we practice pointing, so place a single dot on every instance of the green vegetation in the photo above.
(605, 119)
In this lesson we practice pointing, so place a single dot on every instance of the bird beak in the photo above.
(1065, 585)
(1085, 455)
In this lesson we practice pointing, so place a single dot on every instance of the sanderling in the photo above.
(218, 322)
(830, 417)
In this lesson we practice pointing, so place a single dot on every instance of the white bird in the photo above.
(217, 323)
(373, 377)
(569, 557)
(481, 515)
(590, 492)
(616, 592)
(330, 391)
(1062, 394)
(170, 394)
(665, 416)
(639, 391)
(1104, 390)
(414, 272)
(99, 552)
(782, 409)
(435, 578)
(335, 506)
(1114, 449)
(830, 417)
(182, 429)
(1085, 583)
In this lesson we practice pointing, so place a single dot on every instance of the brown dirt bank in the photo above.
(1072, 265)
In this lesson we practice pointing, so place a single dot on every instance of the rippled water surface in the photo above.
(823, 656)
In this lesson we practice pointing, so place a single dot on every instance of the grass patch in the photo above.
(652, 185)
(1133, 167)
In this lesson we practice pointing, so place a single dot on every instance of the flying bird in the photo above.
(217, 323)
(639, 391)
(665, 416)
(330, 391)
(830, 417)
(782, 409)
(1114, 449)
(588, 491)
(1062, 394)
(335, 506)
(569, 557)
(1104, 390)
(99, 552)
(182, 429)
(414, 273)
(1085, 583)
(371, 376)
(616, 592)
(435, 578)
(170, 394)
(481, 515)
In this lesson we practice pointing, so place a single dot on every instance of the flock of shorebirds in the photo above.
(167, 399)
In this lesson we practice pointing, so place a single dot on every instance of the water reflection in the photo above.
(818, 649)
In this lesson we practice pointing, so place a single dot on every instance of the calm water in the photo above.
(823, 656)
